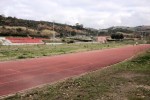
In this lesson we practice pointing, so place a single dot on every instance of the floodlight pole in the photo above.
(53, 31)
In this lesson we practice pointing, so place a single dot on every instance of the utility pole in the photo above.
(69, 33)
(53, 31)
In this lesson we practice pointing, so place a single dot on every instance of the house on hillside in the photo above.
(102, 39)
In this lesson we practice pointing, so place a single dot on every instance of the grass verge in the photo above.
(32, 51)
(129, 80)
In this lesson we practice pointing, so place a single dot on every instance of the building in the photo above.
(102, 39)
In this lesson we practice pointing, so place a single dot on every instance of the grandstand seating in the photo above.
(24, 40)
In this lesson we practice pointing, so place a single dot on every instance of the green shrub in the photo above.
(21, 57)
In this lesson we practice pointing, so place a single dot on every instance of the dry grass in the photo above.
(32, 51)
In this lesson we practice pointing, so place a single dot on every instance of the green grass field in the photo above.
(129, 80)
(32, 51)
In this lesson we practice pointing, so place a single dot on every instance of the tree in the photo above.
(3, 27)
(117, 36)
(18, 29)
(79, 26)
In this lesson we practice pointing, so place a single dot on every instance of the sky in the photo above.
(91, 13)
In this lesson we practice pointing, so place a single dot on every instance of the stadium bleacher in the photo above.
(24, 40)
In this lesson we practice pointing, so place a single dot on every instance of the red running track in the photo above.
(20, 75)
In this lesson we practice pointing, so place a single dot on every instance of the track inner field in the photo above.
(24, 74)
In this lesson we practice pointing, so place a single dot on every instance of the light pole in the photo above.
(53, 31)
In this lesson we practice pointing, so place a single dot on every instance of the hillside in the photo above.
(129, 32)
(11, 26)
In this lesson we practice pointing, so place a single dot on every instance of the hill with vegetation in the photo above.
(12, 26)
(128, 32)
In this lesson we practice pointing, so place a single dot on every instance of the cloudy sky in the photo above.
(90, 13)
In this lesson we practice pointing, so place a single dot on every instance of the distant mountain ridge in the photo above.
(11, 26)
(126, 29)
